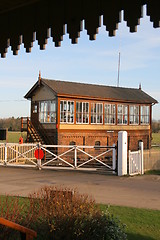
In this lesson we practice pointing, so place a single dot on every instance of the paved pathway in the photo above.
(138, 191)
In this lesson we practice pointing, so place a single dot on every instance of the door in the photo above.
(34, 112)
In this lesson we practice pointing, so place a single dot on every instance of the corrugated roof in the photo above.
(95, 91)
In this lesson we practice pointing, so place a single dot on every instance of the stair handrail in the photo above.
(38, 129)
(24, 122)
(31, 126)
(46, 138)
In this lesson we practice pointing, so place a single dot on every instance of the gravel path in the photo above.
(138, 191)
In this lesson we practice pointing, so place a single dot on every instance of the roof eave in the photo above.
(29, 93)
(105, 99)
(37, 84)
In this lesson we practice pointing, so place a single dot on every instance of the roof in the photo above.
(93, 91)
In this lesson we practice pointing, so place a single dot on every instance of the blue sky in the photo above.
(88, 62)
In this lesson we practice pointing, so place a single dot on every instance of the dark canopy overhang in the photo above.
(23, 21)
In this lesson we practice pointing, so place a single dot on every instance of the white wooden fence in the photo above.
(152, 159)
(58, 156)
(136, 161)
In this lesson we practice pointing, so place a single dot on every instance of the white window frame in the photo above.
(46, 113)
(109, 113)
(97, 114)
(67, 112)
(121, 115)
(134, 115)
(145, 114)
(82, 114)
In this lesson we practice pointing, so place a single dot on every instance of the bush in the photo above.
(61, 213)
(72, 216)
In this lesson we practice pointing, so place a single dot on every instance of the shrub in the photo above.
(61, 213)
(67, 214)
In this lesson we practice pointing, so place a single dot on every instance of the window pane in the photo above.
(109, 113)
(47, 110)
(145, 114)
(82, 112)
(122, 114)
(97, 114)
(67, 112)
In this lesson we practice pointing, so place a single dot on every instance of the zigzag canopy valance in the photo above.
(23, 21)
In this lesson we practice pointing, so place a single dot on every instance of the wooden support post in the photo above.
(5, 154)
(21, 124)
(141, 149)
(75, 157)
(114, 158)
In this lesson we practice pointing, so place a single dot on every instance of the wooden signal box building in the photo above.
(66, 113)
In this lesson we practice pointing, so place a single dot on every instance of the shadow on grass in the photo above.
(132, 236)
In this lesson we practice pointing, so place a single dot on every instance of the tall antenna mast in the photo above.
(118, 69)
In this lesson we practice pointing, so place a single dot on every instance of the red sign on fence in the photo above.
(39, 154)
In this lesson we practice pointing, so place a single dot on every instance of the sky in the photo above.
(87, 62)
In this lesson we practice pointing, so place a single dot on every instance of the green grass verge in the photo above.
(142, 224)
(13, 137)
(153, 172)
(156, 138)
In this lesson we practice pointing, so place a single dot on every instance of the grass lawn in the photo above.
(13, 137)
(142, 224)
(156, 138)
(153, 172)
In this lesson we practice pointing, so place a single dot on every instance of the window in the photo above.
(72, 143)
(66, 112)
(97, 113)
(109, 113)
(35, 109)
(82, 112)
(145, 114)
(133, 114)
(122, 114)
(47, 112)
(97, 145)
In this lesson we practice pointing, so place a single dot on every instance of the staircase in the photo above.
(35, 132)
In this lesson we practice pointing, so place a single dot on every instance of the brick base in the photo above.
(105, 138)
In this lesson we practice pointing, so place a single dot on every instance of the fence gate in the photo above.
(136, 161)
(61, 156)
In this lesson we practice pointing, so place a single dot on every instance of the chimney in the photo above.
(140, 87)
(39, 78)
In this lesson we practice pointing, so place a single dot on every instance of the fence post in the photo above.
(39, 159)
(114, 158)
(16, 153)
(5, 154)
(21, 124)
(122, 153)
(141, 149)
(130, 163)
(75, 157)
